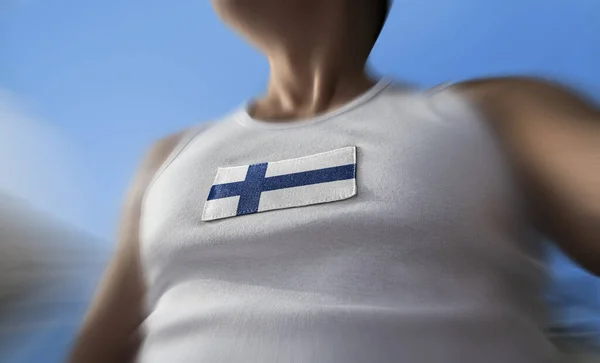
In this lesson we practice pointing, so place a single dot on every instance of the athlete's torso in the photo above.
(430, 261)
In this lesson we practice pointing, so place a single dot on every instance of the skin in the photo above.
(550, 133)
(552, 136)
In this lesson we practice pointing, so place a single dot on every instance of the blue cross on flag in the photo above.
(319, 178)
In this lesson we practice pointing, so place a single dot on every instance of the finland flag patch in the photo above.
(314, 179)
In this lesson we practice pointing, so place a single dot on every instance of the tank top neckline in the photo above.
(243, 117)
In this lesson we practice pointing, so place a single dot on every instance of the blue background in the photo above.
(113, 76)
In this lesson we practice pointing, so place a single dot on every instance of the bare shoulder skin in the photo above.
(110, 330)
(552, 136)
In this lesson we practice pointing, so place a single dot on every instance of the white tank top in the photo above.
(390, 230)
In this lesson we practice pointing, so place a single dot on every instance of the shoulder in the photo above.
(509, 84)
(518, 94)
(513, 104)
(157, 154)
(165, 149)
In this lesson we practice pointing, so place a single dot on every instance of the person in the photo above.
(341, 218)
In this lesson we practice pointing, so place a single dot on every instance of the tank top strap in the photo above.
(186, 138)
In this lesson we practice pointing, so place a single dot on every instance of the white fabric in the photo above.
(231, 174)
(431, 261)
(307, 195)
(343, 156)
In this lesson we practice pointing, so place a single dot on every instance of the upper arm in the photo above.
(552, 134)
(109, 332)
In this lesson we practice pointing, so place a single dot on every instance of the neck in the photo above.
(305, 84)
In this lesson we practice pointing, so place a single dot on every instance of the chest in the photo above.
(413, 172)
